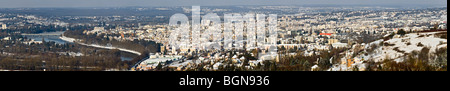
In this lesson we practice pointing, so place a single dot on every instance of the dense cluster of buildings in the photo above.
(311, 28)
(308, 32)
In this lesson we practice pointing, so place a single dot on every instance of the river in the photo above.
(48, 36)
(126, 55)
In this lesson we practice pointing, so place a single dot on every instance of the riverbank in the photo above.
(68, 39)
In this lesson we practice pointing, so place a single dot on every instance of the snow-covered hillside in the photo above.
(395, 49)
(412, 42)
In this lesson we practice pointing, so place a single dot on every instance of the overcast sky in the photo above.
(126, 3)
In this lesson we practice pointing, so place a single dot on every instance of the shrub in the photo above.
(420, 44)
(401, 32)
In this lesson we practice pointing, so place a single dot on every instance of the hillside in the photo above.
(420, 46)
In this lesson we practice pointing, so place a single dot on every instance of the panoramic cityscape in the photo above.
(302, 35)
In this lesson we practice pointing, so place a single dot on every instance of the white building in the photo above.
(96, 30)
(4, 26)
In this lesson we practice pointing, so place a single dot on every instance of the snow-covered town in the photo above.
(335, 38)
(306, 33)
